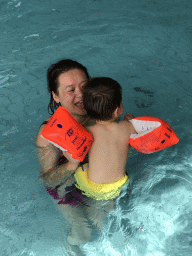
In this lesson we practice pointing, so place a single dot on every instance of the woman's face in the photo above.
(70, 94)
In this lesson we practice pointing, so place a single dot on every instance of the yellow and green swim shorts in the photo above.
(96, 190)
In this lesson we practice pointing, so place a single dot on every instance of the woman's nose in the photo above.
(79, 91)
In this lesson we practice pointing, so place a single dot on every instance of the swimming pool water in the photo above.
(146, 47)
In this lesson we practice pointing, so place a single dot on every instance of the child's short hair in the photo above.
(101, 96)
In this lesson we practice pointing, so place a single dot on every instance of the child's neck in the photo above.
(108, 122)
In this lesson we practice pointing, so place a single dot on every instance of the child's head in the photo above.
(101, 97)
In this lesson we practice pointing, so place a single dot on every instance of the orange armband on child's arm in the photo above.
(154, 134)
(66, 133)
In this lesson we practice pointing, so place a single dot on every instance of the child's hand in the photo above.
(70, 158)
(128, 116)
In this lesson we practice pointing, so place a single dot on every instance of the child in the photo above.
(105, 175)
(100, 181)
(103, 178)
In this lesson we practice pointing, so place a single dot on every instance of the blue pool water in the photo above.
(146, 47)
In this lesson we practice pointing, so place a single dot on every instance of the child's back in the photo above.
(109, 152)
(102, 98)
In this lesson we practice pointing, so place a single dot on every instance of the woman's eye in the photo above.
(72, 90)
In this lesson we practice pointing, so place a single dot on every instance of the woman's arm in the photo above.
(51, 173)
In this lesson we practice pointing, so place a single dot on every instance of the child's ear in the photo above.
(119, 111)
(115, 113)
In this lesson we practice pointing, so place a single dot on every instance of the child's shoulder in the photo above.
(127, 126)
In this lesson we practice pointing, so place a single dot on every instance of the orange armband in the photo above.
(154, 134)
(66, 133)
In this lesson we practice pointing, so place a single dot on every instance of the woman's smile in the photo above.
(80, 105)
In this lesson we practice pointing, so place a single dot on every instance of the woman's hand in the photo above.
(128, 116)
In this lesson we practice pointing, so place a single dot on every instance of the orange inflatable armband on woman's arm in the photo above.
(66, 133)
(154, 134)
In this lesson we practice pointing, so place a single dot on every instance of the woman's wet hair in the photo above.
(101, 97)
(53, 73)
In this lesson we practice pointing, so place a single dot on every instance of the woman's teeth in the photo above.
(80, 105)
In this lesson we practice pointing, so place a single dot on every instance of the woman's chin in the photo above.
(81, 110)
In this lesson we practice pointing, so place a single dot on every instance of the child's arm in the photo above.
(128, 117)
(70, 158)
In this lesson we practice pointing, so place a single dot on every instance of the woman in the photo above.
(65, 81)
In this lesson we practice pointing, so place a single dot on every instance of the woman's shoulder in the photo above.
(41, 142)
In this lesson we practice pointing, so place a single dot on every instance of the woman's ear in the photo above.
(55, 97)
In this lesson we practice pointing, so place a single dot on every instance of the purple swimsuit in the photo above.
(73, 196)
